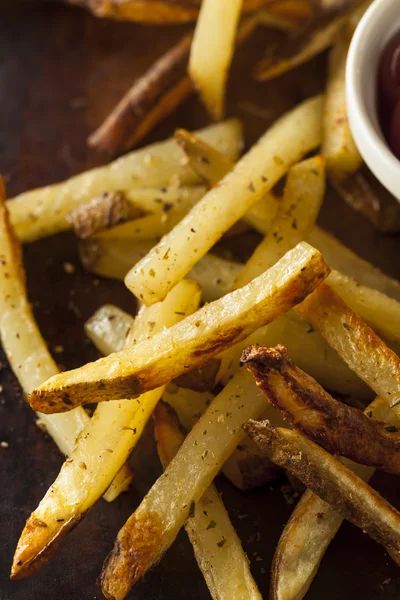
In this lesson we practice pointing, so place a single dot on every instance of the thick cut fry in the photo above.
(190, 344)
(304, 192)
(342, 259)
(316, 37)
(307, 348)
(362, 350)
(212, 166)
(332, 482)
(378, 310)
(310, 529)
(25, 348)
(212, 50)
(338, 428)
(152, 528)
(103, 447)
(225, 567)
(252, 177)
(41, 212)
(155, 95)
(108, 328)
(340, 151)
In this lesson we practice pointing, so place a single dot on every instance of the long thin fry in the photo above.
(225, 567)
(212, 50)
(304, 192)
(103, 448)
(190, 344)
(24, 346)
(332, 482)
(253, 176)
(310, 529)
(338, 428)
(355, 342)
(41, 212)
(152, 528)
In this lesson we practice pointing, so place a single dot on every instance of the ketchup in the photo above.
(389, 93)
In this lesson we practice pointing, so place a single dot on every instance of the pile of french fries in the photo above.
(219, 352)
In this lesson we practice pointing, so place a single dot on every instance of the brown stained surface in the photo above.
(61, 72)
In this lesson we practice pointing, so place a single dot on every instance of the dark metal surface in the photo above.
(60, 73)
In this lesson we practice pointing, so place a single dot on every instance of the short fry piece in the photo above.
(252, 177)
(224, 566)
(340, 151)
(41, 212)
(311, 527)
(338, 428)
(212, 49)
(334, 483)
(152, 528)
(104, 446)
(302, 199)
(355, 342)
(108, 328)
(190, 344)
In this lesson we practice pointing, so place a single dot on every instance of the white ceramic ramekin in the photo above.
(377, 26)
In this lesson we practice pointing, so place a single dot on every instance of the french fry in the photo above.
(104, 446)
(342, 259)
(304, 192)
(152, 98)
(340, 151)
(41, 212)
(108, 328)
(185, 346)
(212, 50)
(307, 348)
(317, 36)
(362, 350)
(378, 310)
(311, 527)
(225, 567)
(212, 166)
(25, 348)
(332, 482)
(152, 528)
(338, 428)
(252, 177)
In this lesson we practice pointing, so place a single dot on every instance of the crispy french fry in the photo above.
(347, 262)
(185, 346)
(42, 212)
(225, 567)
(152, 528)
(108, 328)
(252, 177)
(378, 310)
(362, 350)
(25, 348)
(100, 213)
(103, 448)
(157, 93)
(212, 50)
(314, 39)
(311, 527)
(304, 192)
(338, 428)
(332, 482)
(340, 151)
(212, 166)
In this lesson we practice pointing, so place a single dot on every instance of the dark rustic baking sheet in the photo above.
(60, 73)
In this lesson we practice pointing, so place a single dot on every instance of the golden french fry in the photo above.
(253, 176)
(226, 571)
(103, 447)
(201, 336)
(41, 212)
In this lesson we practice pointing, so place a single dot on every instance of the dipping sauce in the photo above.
(389, 93)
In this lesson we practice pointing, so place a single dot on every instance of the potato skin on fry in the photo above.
(331, 481)
(338, 428)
